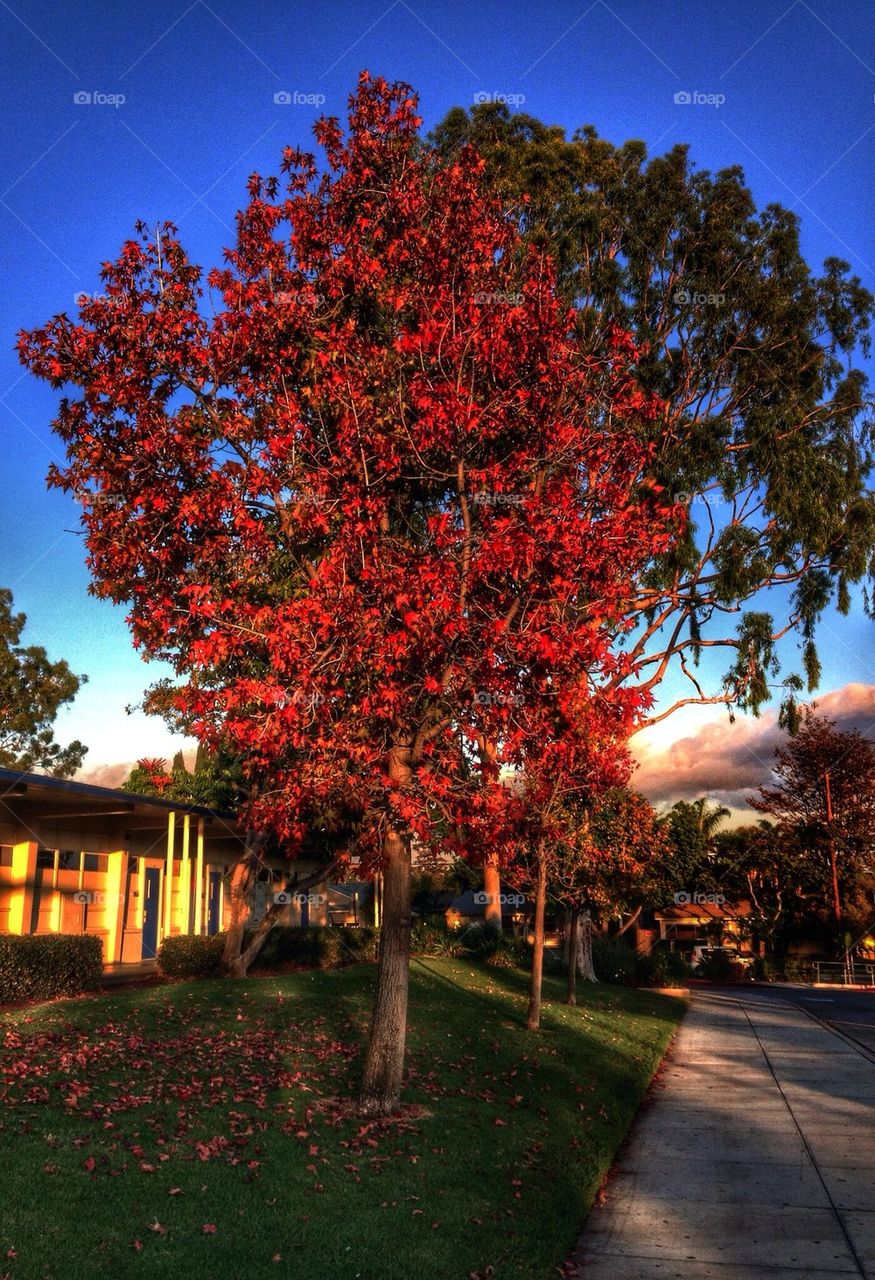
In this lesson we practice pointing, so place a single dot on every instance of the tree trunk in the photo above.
(384, 1061)
(235, 961)
(533, 1020)
(242, 879)
(587, 971)
(633, 919)
(573, 948)
(492, 890)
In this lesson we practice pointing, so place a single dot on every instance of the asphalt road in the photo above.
(850, 1012)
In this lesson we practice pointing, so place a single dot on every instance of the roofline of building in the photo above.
(13, 779)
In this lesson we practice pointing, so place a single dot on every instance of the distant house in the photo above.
(683, 925)
(470, 908)
(130, 869)
(351, 903)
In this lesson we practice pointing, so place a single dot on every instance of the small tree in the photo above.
(32, 691)
(613, 859)
(824, 796)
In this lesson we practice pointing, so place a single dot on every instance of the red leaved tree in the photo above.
(373, 504)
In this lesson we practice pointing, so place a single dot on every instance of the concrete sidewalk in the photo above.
(754, 1160)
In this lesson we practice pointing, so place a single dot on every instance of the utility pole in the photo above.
(837, 905)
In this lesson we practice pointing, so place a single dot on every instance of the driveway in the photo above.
(755, 1157)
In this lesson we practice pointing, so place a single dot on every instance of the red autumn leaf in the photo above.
(209, 1228)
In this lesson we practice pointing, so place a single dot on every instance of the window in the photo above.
(69, 860)
(5, 855)
(95, 861)
(45, 859)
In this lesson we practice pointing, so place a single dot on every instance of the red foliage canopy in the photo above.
(375, 505)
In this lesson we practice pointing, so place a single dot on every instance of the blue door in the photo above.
(150, 912)
(213, 903)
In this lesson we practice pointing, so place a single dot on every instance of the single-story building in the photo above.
(683, 925)
(131, 869)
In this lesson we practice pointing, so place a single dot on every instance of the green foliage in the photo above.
(499, 948)
(32, 691)
(42, 967)
(191, 956)
(434, 938)
(613, 960)
(215, 782)
(691, 830)
(661, 967)
(315, 947)
(717, 966)
(767, 436)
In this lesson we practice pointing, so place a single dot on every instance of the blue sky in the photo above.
(198, 115)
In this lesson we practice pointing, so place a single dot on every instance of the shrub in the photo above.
(188, 955)
(501, 949)
(717, 966)
(661, 967)
(316, 947)
(613, 961)
(58, 964)
(435, 938)
(798, 970)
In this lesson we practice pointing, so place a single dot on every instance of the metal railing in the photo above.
(846, 973)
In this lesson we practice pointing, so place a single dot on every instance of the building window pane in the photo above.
(45, 858)
(95, 861)
(69, 860)
(5, 855)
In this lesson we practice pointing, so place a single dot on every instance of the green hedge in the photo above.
(317, 946)
(661, 967)
(57, 964)
(186, 955)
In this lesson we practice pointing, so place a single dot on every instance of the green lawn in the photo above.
(201, 1129)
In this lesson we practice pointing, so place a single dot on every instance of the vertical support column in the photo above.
(114, 904)
(22, 887)
(185, 881)
(168, 874)
(199, 880)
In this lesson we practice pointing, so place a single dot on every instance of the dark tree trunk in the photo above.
(573, 947)
(235, 961)
(384, 1061)
(587, 969)
(633, 919)
(533, 1020)
(492, 889)
(243, 877)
